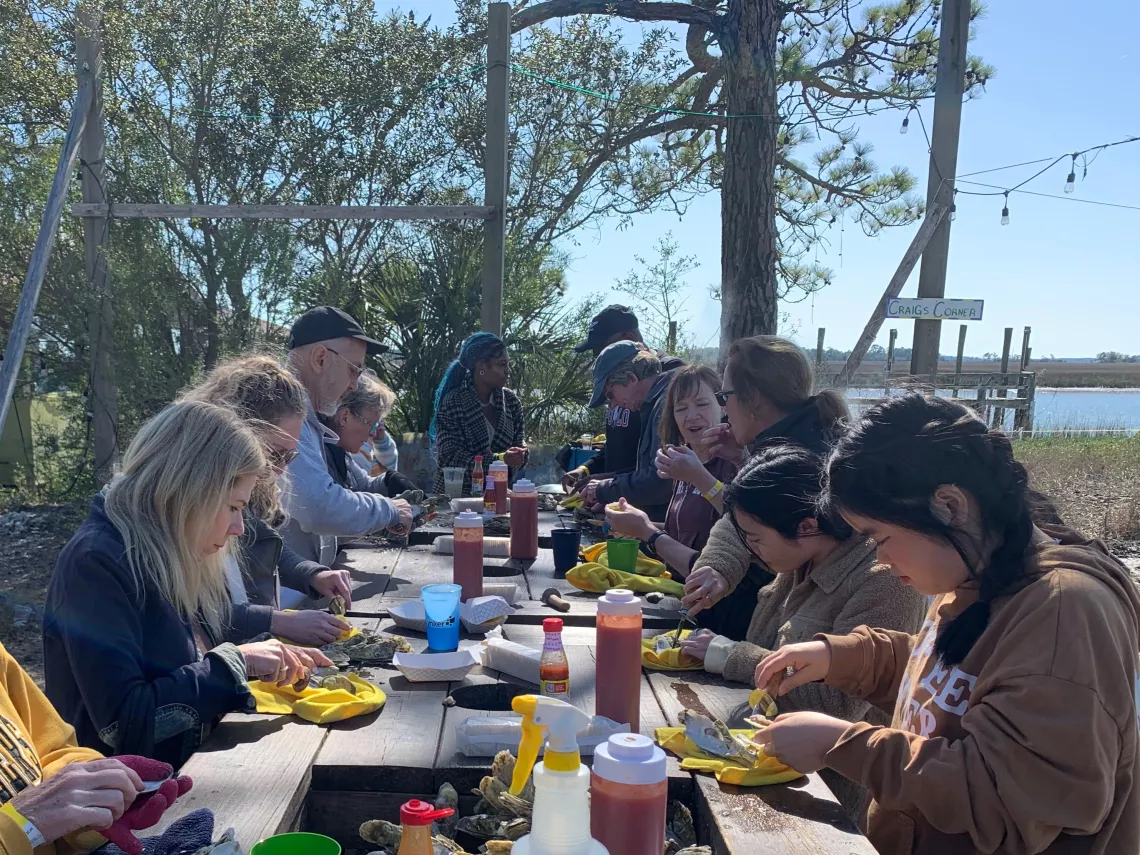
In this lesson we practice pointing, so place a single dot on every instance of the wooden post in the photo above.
(671, 344)
(819, 349)
(101, 397)
(948, 88)
(890, 361)
(999, 412)
(958, 359)
(496, 169)
(1025, 349)
(934, 216)
(41, 254)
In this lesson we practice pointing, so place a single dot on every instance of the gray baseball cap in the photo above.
(608, 360)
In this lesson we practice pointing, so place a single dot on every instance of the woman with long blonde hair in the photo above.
(271, 400)
(137, 606)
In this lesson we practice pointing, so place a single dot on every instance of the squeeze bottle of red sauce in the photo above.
(629, 795)
(524, 520)
(618, 695)
(498, 472)
(416, 818)
(467, 562)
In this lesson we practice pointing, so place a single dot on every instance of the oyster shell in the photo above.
(337, 606)
(494, 827)
(497, 847)
(679, 829)
(503, 768)
(447, 797)
(696, 850)
(388, 835)
(366, 649)
(338, 681)
(713, 737)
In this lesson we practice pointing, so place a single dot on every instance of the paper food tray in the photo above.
(435, 667)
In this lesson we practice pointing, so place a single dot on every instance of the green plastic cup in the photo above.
(297, 843)
(622, 554)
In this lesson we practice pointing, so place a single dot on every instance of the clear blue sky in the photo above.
(1065, 81)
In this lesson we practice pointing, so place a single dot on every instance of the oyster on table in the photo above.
(338, 681)
(713, 737)
(337, 606)
(366, 649)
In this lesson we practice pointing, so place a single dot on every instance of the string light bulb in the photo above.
(905, 124)
(953, 212)
(1005, 210)
(1071, 181)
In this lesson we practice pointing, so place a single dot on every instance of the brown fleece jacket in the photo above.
(1028, 745)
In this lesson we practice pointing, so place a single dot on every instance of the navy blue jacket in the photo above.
(120, 664)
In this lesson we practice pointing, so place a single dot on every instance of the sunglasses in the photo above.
(372, 428)
(357, 370)
(722, 397)
(280, 458)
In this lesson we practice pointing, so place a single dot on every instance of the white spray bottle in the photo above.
(560, 824)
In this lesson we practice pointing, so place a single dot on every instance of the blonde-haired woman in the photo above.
(767, 397)
(272, 401)
(137, 604)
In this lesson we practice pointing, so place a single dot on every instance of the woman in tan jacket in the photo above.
(1014, 721)
(827, 580)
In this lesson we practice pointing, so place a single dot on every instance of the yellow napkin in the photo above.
(345, 634)
(671, 659)
(320, 706)
(646, 566)
(599, 579)
(766, 770)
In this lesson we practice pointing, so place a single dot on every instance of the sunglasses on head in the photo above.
(722, 397)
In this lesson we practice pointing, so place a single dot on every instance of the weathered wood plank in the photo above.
(129, 210)
(701, 692)
(253, 773)
(371, 571)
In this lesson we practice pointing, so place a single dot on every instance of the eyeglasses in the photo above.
(722, 397)
(282, 459)
(357, 370)
(372, 428)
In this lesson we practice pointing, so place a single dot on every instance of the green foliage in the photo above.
(657, 290)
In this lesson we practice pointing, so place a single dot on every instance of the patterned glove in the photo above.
(147, 809)
(192, 833)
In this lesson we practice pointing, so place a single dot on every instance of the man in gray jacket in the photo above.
(326, 352)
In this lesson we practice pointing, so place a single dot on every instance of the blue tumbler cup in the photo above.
(441, 607)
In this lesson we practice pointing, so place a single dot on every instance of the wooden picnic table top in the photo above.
(263, 774)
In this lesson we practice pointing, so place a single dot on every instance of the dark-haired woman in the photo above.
(1015, 706)
(827, 580)
(767, 397)
(475, 413)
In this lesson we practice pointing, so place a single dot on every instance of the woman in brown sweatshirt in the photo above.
(1014, 709)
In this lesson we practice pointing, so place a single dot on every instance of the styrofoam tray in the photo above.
(435, 667)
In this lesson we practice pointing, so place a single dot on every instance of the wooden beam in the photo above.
(999, 416)
(41, 254)
(130, 210)
(934, 217)
(496, 163)
(958, 359)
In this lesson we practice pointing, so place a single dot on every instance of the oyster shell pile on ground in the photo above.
(680, 834)
(712, 736)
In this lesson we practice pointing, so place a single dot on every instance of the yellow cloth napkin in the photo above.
(345, 634)
(646, 566)
(320, 706)
(766, 770)
(671, 659)
(599, 579)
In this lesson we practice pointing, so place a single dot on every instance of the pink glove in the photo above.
(147, 809)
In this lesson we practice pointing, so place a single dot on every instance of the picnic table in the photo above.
(266, 774)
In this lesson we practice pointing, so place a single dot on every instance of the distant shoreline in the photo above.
(1102, 376)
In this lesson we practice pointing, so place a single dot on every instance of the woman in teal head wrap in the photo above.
(475, 412)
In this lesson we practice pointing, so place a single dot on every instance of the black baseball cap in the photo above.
(324, 323)
(606, 324)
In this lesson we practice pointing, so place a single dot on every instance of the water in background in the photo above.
(1083, 410)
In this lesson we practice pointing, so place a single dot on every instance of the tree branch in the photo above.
(634, 10)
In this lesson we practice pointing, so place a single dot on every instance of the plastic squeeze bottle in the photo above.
(416, 818)
(499, 472)
(629, 795)
(560, 824)
(467, 560)
(553, 667)
(619, 658)
(524, 520)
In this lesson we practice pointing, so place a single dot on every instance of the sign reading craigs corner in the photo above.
(934, 309)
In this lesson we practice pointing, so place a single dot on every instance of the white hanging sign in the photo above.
(934, 309)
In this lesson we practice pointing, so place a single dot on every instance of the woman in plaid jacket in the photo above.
(475, 412)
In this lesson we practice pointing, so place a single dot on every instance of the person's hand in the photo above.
(574, 479)
(696, 646)
(381, 432)
(330, 583)
(308, 627)
(801, 739)
(680, 463)
(704, 588)
(404, 524)
(808, 663)
(283, 664)
(721, 443)
(83, 795)
(148, 808)
(590, 492)
(629, 521)
(515, 456)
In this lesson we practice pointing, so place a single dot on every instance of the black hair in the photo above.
(888, 466)
(780, 485)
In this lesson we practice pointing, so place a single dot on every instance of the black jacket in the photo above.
(121, 666)
(623, 434)
(643, 487)
(267, 562)
(802, 426)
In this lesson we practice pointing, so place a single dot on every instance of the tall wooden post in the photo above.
(958, 359)
(496, 169)
(948, 88)
(1025, 349)
(890, 361)
(101, 396)
(671, 344)
(819, 348)
(999, 412)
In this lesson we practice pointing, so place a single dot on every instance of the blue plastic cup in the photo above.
(565, 543)
(441, 608)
